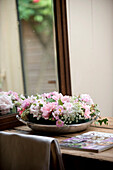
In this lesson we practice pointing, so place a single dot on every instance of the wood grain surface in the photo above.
(106, 156)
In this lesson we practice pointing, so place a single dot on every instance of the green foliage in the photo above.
(105, 121)
(41, 105)
(40, 13)
(14, 109)
(50, 100)
(60, 102)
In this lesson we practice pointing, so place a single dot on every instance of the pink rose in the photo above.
(47, 109)
(57, 96)
(65, 99)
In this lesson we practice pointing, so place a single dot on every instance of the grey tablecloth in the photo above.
(29, 152)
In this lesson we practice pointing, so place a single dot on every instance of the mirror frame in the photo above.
(63, 61)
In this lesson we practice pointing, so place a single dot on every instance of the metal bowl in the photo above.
(53, 129)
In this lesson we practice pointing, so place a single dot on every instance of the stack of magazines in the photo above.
(90, 141)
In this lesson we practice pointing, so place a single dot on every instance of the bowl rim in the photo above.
(44, 125)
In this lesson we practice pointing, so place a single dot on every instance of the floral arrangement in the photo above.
(51, 108)
(9, 102)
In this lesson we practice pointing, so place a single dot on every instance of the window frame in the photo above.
(62, 46)
(63, 61)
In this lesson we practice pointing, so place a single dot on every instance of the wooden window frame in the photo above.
(63, 62)
(62, 46)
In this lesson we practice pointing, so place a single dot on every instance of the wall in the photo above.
(90, 25)
(10, 60)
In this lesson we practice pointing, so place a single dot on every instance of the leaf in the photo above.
(50, 100)
(14, 110)
(37, 97)
(60, 102)
(105, 121)
(100, 121)
(38, 18)
(41, 105)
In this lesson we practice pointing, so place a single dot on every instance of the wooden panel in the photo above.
(9, 121)
(62, 46)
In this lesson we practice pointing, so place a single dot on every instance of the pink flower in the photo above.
(56, 95)
(87, 114)
(18, 109)
(47, 109)
(59, 109)
(59, 123)
(76, 101)
(65, 99)
(26, 103)
(55, 115)
(36, 1)
(46, 95)
(58, 112)
(87, 111)
(21, 111)
(14, 95)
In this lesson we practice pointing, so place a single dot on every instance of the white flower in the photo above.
(67, 108)
(5, 103)
(34, 109)
(86, 98)
(22, 96)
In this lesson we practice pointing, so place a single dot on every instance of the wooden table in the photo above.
(76, 159)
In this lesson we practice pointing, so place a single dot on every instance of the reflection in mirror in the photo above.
(90, 25)
(38, 46)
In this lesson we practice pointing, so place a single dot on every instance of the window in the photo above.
(39, 60)
(12, 72)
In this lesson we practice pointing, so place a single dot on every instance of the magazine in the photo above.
(90, 141)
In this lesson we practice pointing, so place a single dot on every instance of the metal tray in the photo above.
(53, 129)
